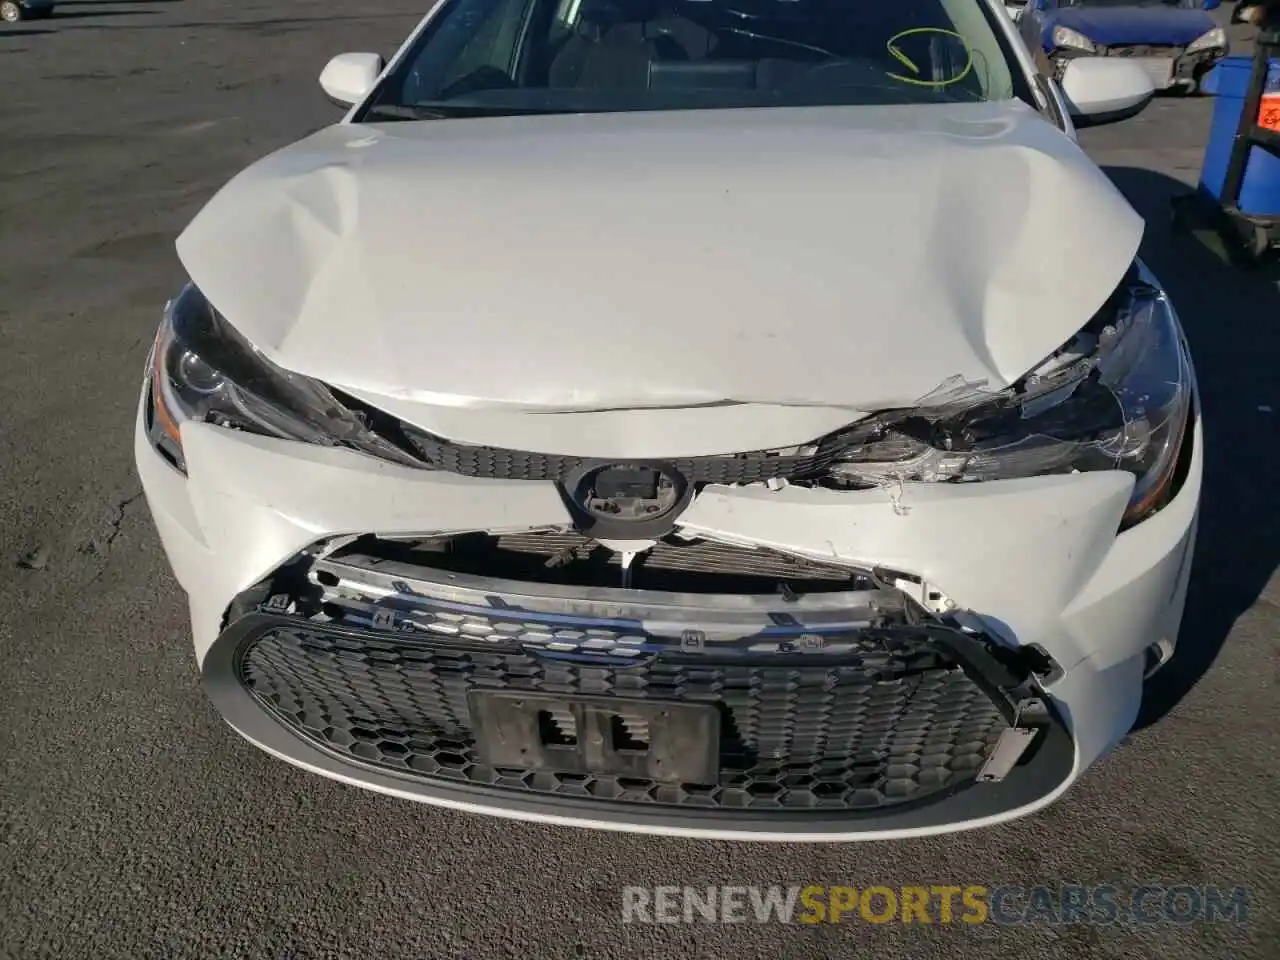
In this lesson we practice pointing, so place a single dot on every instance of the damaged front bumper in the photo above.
(825, 714)
(1170, 68)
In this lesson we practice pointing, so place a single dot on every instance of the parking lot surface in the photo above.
(134, 824)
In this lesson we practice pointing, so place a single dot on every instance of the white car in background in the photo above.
(728, 418)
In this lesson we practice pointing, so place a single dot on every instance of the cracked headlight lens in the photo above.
(1217, 37)
(202, 370)
(1118, 397)
(1066, 37)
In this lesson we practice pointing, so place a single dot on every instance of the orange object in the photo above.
(1269, 112)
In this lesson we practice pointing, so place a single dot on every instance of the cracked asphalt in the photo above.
(134, 824)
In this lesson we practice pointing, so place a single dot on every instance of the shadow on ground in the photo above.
(1232, 319)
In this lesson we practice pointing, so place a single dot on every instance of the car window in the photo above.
(516, 56)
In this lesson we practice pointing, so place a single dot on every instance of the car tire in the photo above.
(11, 11)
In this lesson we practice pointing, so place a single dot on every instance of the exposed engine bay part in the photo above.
(626, 500)
(920, 590)
(569, 558)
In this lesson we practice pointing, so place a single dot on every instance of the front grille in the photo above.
(1141, 50)
(497, 463)
(878, 727)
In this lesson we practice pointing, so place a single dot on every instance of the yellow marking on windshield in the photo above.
(897, 54)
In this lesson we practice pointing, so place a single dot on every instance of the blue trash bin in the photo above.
(1228, 82)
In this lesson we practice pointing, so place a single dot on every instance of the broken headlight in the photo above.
(203, 370)
(1066, 37)
(1212, 40)
(1118, 397)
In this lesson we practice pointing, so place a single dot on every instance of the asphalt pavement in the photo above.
(133, 823)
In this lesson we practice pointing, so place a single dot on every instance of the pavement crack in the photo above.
(111, 523)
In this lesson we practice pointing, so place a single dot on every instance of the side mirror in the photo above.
(1104, 90)
(1257, 13)
(348, 77)
(1247, 11)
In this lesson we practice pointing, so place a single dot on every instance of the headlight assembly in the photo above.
(202, 370)
(1066, 37)
(1118, 397)
(1217, 37)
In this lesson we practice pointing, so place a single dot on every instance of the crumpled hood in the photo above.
(854, 257)
(1151, 25)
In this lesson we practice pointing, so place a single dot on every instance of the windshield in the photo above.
(482, 57)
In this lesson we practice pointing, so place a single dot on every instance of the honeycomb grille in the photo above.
(496, 463)
(865, 733)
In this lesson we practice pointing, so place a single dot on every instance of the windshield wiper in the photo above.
(446, 111)
(392, 111)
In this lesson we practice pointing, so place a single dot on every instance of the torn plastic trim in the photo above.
(1118, 396)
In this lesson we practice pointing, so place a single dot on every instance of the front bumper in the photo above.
(1170, 68)
(1037, 562)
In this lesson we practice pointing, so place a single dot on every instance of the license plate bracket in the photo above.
(608, 736)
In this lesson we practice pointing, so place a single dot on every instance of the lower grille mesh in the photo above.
(867, 733)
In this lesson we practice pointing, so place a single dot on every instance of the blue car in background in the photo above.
(1177, 42)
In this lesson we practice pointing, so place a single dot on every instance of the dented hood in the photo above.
(853, 257)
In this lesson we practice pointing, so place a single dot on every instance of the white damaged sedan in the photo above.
(725, 418)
